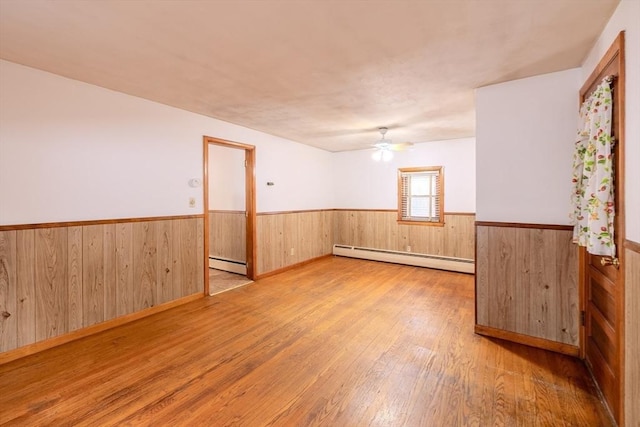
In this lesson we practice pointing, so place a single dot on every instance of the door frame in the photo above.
(614, 54)
(250, 202)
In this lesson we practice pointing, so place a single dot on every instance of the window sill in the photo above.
(427, 223)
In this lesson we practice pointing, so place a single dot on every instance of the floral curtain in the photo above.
(593, 204)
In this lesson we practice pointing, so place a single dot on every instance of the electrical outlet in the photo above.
(192, 202)
(293, 251)
(408, 248)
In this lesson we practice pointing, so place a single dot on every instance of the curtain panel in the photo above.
(592, 197)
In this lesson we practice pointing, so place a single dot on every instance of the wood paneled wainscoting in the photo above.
(379, 229)
(632, 333)
(527, 285)
(289, 238)
(58, 279)
(228, 235)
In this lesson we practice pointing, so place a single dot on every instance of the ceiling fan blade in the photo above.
(383, 144)
(400, 146)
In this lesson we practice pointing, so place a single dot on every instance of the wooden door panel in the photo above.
(603, 374)
(602, 297)
(595, 262)
(603, 338)
(603, 285)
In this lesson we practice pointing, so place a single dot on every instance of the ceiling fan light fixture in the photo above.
(383, 148)
(382, 154)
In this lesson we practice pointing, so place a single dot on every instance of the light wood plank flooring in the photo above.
(338, 342)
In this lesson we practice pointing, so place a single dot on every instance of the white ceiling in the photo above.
(323, 73)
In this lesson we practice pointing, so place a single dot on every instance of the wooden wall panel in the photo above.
(459, 231)
(270, 236)
(164, 286)
(342, 232)
(308, 233)
(526, 282)
(55, 280)
(26, 288)
(52, 310)
(185, 255)
(227, 235)
(632, 335)
(8, 323)
(568, 296)
(328, 219)
(385, 226)
(425, 239)
(144, 264)
(367, 227)
(99, 291)
(314, 235)
(124, 269)
(75, 277)
(482, 276)
(291, 238)
(380, 230)
(177, 275)
(110, 282)
(502, 264)
(198, 286)
(541, 283)
(93, 274)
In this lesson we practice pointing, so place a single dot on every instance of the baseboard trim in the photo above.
(291, 267)
(545, 344)
(37, 347)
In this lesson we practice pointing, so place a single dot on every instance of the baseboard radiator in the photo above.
(227, 264)
(462, 265)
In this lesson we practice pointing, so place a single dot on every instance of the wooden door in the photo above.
(603, 277)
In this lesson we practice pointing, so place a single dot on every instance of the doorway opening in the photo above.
(229, 213)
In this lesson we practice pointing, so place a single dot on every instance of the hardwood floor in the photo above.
(339, 342)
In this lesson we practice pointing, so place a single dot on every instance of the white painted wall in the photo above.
(300, 175)
(525, 132)
(626, 18)
(362, 183)
(73, 151)
(227, 189)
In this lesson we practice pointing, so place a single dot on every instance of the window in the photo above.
(421, 195)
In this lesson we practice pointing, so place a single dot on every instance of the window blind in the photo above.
(421, 196)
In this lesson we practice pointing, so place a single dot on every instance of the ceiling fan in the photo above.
(384, 148)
